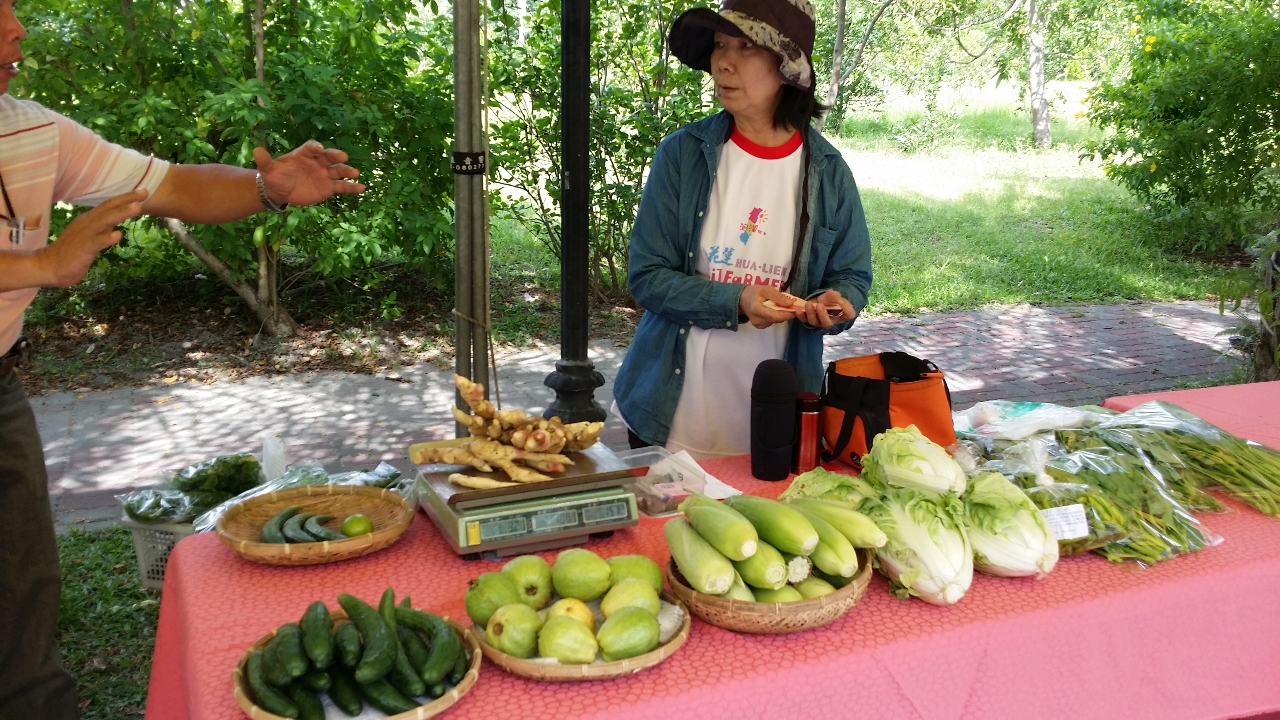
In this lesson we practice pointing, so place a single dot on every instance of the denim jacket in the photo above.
(662, 269)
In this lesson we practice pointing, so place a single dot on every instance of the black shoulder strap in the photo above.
(858, 397)
(904, 367)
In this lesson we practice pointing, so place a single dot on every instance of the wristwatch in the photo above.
(266, 199)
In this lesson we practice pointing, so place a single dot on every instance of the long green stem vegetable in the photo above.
(701, 564)
(778, 524)
(722, 526)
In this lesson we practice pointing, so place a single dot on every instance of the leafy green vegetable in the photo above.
(230, 474)
(823, 483)
(1106, 521)
(928, 554)
(906, 458)
(1008, 534)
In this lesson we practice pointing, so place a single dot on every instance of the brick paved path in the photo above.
(102, 443)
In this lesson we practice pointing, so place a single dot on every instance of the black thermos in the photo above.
(773, 419)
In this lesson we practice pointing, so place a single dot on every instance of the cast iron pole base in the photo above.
(575, 382)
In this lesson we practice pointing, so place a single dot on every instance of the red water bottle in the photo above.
(808, 432)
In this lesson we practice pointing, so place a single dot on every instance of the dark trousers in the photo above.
(636, 441)
(33, 683)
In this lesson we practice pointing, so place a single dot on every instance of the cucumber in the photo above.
(404, 602)
(387, 611)
(347, 639)
(404, 676)
(343, 691)
(444, 642)
(459, 668)
(272, 530)
(289, 651)
(317, 635)
(414, 648)
(379, 645)
(265, 696)
(435, 691)
(315, 679)
(309, 706)
(386, 698)
(272, 669)
(293, 531)
(314, 528)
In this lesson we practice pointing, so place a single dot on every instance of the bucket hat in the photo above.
(784, 26)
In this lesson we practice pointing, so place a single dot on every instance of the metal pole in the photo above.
(575, 378)
(471, 248)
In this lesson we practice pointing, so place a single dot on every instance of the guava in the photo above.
(487, 593)
(573, 608)
(629, 632)
(513, 629)
(631, 592)
(567, 640)
(532, 577)
(635, 566)
(580, 574)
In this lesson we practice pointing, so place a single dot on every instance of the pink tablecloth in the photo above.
(1251, 411)
(1195, 637)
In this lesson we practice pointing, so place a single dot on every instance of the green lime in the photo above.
(357, 525)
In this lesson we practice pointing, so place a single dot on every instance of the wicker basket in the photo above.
(240, 527)
(240, 683)
(554, 672)
(772, 618)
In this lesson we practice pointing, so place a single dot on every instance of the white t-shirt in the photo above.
(748, 237)
(46, 158)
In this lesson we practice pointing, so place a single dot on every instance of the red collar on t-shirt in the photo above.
(762, 152)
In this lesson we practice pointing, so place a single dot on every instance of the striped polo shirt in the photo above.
(47, 158)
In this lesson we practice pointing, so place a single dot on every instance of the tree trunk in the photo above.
(264, 300)
(837, 76)
(1039, 103)
(1264, 358)
(833, 87)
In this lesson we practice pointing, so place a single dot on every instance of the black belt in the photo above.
(19, 354)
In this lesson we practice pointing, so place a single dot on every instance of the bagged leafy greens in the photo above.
(1009, 536)
(1104, 521)
(1157, 526)
(231, 474)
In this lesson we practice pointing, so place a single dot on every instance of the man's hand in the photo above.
(307, 174)
(65, 261)
(815, 310)
(751, 303)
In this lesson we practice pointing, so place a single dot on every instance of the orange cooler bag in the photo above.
(865, 396)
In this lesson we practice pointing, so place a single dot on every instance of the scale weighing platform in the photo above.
(585, 501)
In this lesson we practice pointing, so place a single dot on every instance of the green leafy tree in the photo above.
(1197, 134)
(187, 83)
(639, 94)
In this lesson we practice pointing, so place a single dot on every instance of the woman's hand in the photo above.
(815, 310)
(751, 303)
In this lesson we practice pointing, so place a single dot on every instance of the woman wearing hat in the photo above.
(741, 212)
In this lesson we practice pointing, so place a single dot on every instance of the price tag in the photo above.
(1067, 522)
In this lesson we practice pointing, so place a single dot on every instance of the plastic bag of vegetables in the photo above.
(231, 474)
(906, 458)
(1100, 521)
(928, 553)
(1008, 534)
(168, 506)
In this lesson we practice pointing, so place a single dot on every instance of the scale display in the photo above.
(524, 524)
(510, 522)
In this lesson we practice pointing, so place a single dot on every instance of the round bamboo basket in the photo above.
(241, 684)
(772, 618)
(240, 527)
(554, 672)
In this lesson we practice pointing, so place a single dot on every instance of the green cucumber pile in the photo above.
(292, 526)
(389, 657)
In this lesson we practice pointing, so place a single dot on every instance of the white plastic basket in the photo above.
(152, 543)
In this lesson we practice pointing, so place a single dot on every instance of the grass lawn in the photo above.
(974, 222)
(107, 623)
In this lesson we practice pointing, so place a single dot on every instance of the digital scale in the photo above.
(585, 501)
